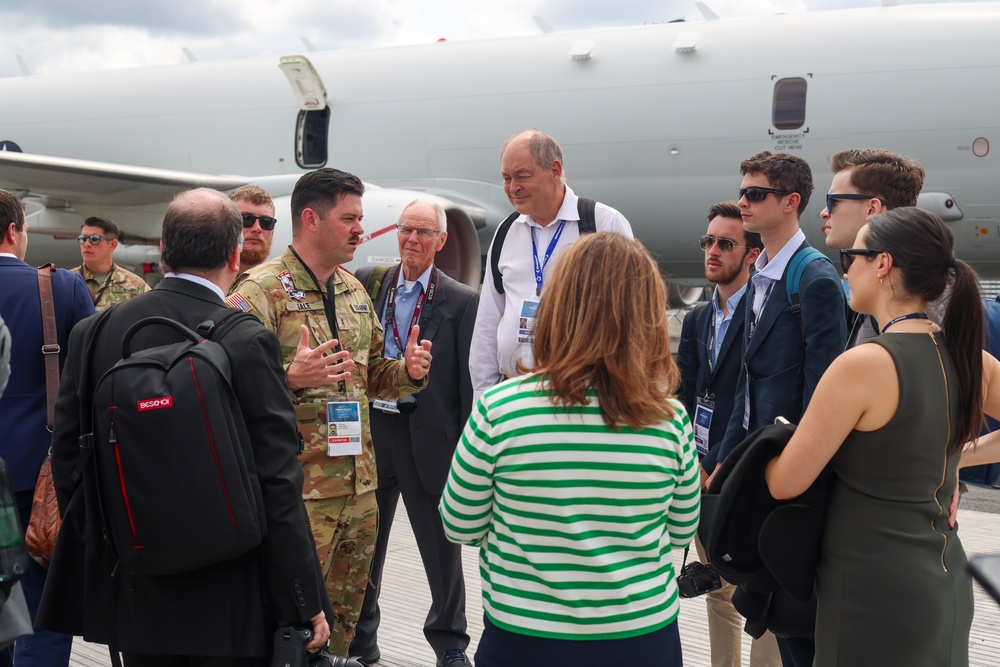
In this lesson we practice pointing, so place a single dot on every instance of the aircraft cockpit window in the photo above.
(789, 110)
(311, 137)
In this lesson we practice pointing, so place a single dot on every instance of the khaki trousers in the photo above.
(725, 629)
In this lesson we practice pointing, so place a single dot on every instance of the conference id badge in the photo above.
(343, 420)
(702, 423)
(385, 406)
(526, 322)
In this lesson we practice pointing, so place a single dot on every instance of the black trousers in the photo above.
(445, 625)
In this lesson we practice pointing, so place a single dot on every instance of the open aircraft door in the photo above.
(312, 127)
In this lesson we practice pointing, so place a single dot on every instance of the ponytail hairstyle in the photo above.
(922, 248)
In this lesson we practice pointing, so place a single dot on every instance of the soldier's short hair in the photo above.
(323, 189)
(109, 228)
(254, 194)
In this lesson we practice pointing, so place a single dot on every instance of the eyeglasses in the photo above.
(725, 245)
(423, 233)
(833, 199)
(848, 254)
(758, 194)
(267, 223)
(93, 238)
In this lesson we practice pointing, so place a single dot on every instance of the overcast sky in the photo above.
(70, 35)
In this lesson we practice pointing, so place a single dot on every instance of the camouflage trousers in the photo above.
(345, 529)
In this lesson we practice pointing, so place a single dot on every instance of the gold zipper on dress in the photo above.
(944, 470)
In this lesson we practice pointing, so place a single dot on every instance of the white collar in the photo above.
(204, 282)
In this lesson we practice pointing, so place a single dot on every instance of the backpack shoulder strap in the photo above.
(498, 240)
(586, 206)
(221, 322)
(796, 267)
(374, 281)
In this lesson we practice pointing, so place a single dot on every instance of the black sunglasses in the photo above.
(93, 238)
(759, 194)
(848, 254)
(725, 245)
(833, 199)
(267, 223)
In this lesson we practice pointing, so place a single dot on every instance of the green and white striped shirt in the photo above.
(575, 522)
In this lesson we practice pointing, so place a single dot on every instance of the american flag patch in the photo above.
(237, 300)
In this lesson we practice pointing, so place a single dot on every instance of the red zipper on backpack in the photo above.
(121, 477)
(211, 440)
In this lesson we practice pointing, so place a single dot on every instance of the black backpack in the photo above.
(584, 206)
(170, 453)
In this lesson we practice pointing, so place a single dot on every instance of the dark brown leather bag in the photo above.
(43, 527)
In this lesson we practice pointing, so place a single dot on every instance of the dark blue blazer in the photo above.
(25, 440)
(785, 359)
(718, 384)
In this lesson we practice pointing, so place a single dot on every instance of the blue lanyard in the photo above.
(548, 253)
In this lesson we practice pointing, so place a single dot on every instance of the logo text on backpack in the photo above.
(155, 403)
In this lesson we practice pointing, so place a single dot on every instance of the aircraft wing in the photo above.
(100, 183)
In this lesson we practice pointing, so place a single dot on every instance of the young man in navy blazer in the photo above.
(784, 354)
(709, 356)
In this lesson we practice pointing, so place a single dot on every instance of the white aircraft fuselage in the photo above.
(647, 125)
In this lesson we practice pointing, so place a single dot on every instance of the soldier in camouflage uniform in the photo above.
(108, 283)
(290, 295)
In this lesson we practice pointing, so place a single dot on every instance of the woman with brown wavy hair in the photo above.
(577, 479)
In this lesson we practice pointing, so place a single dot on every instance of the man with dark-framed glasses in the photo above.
(108, 283)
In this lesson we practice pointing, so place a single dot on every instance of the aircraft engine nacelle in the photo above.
(460, 258)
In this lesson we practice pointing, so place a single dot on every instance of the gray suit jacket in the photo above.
(444, 406)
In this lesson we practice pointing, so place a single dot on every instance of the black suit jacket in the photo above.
(226, 609)
(444, 405)
(699, 379)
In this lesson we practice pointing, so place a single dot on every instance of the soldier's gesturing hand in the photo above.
(314, 367)
(417, 355)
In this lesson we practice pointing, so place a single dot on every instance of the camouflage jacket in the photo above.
(282, 294)
(122, 286)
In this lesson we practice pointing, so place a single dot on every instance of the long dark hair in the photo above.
(923, 247)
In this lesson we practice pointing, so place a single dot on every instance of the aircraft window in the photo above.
(789, 111)
(311, 138)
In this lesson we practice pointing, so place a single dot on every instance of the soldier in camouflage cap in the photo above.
(332, 351)
(108, 283)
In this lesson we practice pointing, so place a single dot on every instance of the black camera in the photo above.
(290, 650)
(406, 405)
(697, 579)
